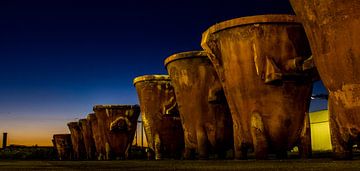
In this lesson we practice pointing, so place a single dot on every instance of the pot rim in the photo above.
(73, 124)
(256, 19)
(185, 55)
(61, 135)
(90, 115)
(154, 78)
(115, 106)
(82, 120)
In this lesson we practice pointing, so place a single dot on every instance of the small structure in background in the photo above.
(4, 140)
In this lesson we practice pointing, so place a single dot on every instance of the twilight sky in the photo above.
(60, 57)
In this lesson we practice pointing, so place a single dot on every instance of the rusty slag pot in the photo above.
(265, 69)
(204, 113)
(160, 115)
(333, 29)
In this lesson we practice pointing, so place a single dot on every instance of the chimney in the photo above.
(4, 140)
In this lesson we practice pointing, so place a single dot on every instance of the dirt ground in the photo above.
(292, 165)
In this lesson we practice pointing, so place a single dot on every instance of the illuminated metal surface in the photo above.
(261, 62)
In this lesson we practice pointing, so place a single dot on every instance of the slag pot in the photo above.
(262, 62)
(160, 115)
(333, 29)
(204, 113)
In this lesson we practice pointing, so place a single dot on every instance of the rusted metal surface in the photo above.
(117, 126)
(99, 145)
(63, 146)
(160, 115)
(261, 61)
(77, 141)
(86, 130)
(204, 113)
(333, 29)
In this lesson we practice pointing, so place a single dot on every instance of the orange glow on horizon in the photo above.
(40, 130)
(29, 131)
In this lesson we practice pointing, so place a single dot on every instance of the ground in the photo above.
(292, 165)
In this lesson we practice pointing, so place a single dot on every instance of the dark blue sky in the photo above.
(60, 57)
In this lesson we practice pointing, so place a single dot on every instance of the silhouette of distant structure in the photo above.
(4, 140)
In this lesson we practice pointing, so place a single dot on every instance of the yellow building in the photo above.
(320, 131)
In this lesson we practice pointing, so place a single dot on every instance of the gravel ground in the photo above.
(293, 165)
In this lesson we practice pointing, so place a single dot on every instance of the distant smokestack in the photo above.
(4, 140)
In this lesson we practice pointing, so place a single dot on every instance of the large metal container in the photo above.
(117, 126)
(204, 113)
(86, 130)
(333, 29)
(160, 115)
(63, 146)
(260, 61)
(77, 141)
(99, 143)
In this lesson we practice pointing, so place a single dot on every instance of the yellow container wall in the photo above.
(320, 131)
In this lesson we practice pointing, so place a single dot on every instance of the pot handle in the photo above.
(209, 45)
(308, 64)
(294, 65)
(170, 107)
